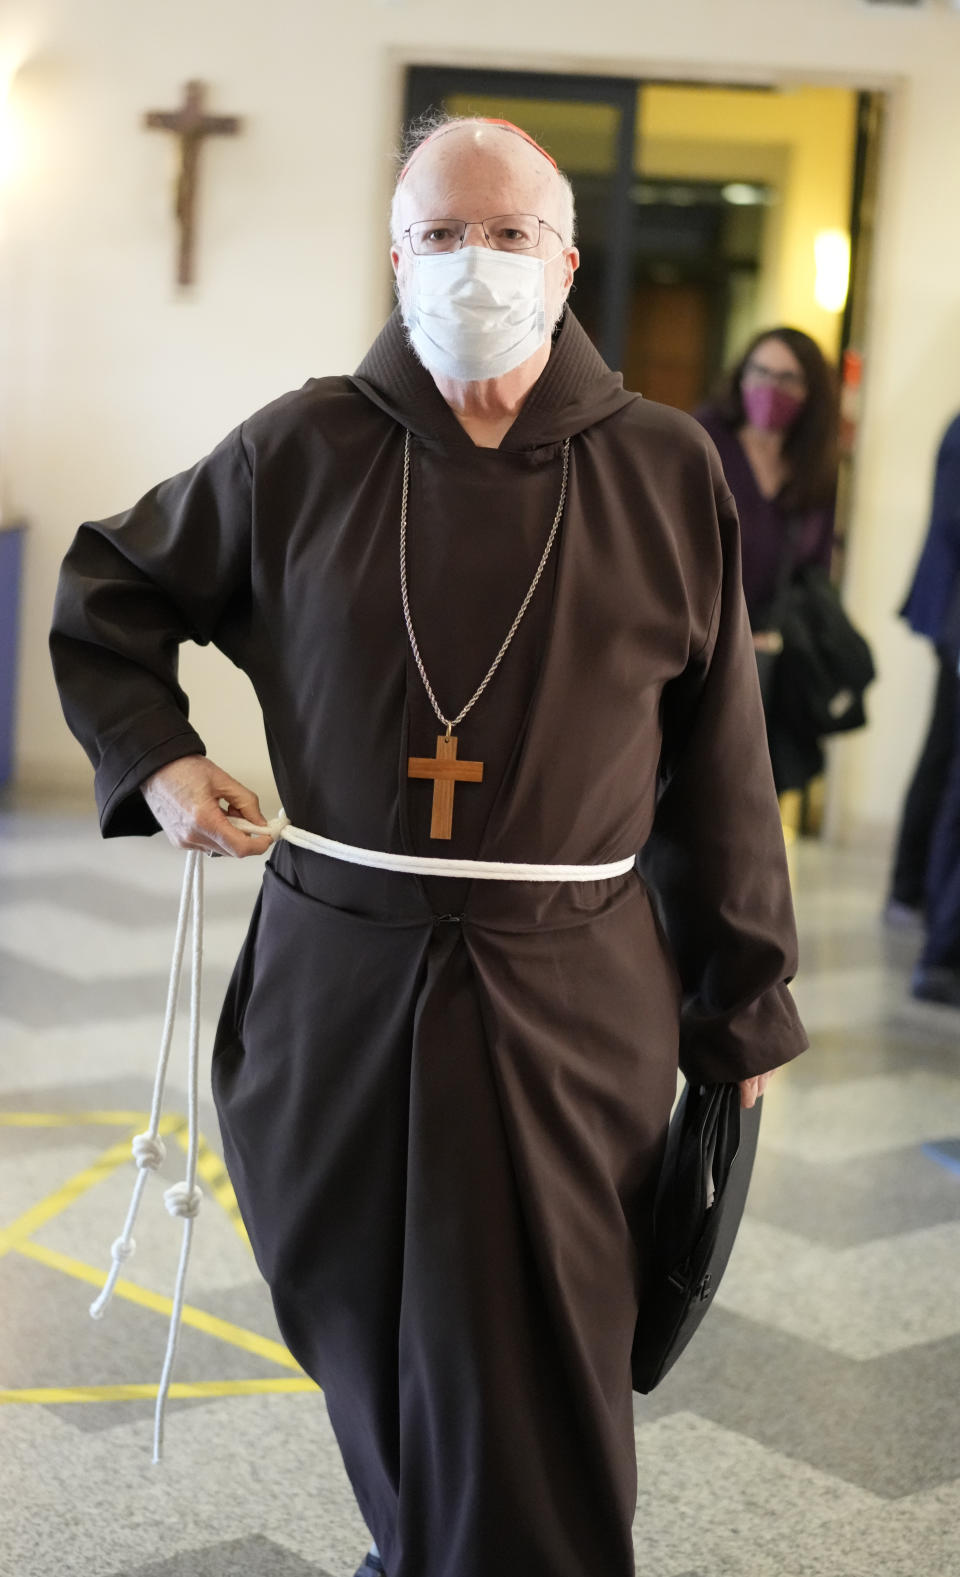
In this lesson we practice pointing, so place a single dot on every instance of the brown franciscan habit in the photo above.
(443, 1103)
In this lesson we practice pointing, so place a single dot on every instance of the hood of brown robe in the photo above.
(575, 390)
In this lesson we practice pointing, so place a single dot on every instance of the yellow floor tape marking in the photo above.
(13, 1235)
(180, 1390)
(223, 1330)
(210, 1167)
(74, 1119)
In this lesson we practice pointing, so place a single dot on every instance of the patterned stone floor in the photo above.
(812, 1428)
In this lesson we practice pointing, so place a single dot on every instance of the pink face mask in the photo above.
(767, 406)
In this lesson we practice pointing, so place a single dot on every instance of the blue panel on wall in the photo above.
(11, 561)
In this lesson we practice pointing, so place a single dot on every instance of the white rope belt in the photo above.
(432, 865)
(183, 1199)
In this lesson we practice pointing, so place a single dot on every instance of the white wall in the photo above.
(111, 378)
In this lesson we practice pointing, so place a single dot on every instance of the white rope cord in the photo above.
(433, 865)
(182, 1199)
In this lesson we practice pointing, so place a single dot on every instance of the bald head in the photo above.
(463, 163)
(448, 123)
(459, 323)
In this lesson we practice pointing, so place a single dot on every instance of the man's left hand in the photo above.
(752, 1089)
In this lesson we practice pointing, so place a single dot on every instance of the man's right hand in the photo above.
(185, 798)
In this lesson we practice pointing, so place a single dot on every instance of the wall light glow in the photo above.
(831, 250)
(10, 132)
(744, 194)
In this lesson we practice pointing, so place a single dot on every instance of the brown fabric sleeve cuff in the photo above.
(764, 1036)
(144, 748)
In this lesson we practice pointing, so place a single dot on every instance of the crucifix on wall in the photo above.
(190, 125)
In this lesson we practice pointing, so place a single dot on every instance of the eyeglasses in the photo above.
(758, 373)
(504, 232)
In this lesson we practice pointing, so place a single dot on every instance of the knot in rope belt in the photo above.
(183, 1199)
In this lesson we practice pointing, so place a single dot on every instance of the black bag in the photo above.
(826, 665)
(768, 665)
(701, 1195)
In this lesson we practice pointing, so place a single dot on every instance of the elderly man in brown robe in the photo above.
(443, 1098)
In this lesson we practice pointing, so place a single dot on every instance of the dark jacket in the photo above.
(932, 607)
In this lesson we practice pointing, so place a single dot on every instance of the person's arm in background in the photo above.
(945, 532)
(932, 604)
(824, 537)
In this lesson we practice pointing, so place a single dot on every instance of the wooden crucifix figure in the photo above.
(191, 125)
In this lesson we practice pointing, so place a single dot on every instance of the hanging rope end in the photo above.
(149, 1151)
(121, 1249)
(182, 1200)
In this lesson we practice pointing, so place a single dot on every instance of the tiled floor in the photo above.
(812, 1428)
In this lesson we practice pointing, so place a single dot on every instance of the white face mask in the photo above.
(476, 313)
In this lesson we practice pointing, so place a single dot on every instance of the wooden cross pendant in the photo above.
(446, 772)
(190, 125)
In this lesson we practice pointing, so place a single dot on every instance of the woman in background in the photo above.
(775, 425)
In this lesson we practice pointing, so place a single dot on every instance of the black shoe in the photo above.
(938, 983)
(372, 1566)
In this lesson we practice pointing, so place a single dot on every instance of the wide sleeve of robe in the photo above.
(715, 861)
(131, 589)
